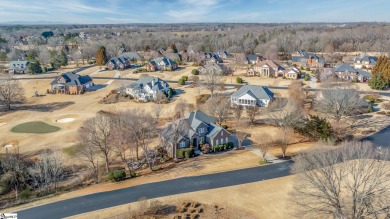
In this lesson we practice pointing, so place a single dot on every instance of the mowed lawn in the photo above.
(35, 128)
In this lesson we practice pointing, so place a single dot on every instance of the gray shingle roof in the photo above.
(252, 57)
(214, 130)
(18, 65)
(72, 79)
(167, 62)
(197, 117)
(259, 92)
(344, 67)
(147, 81)
(364, 73)
(131, 55)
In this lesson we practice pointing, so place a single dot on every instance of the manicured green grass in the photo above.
(35, 128)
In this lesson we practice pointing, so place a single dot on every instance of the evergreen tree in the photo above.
(173, 47)
(35, 67)
(147, 48)
(63, 59)
(378, 82)
(31, 55)
(101, 56)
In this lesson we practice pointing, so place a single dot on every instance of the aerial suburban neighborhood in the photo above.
(194, 109)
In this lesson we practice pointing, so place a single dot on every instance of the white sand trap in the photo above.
(65, 120)
(2, 124)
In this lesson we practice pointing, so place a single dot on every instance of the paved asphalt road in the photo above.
(171, 81)
(102, 200)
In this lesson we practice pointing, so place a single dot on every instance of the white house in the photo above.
(252, 95)
(147, 88)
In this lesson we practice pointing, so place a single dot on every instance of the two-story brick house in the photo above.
(199, 129)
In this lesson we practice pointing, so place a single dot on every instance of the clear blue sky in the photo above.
(181, 11)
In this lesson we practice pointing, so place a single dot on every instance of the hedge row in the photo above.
(185, 152)
(222, 147)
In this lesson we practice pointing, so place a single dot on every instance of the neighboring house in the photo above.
(132, 56)
(302, 58)
(118, 63)
(18, 67)
(212, 58)
(174, 56)
(161, 64)
(147, 88)
(211, 67)
(347, 72)
(365, 61)
(199, 129)
(253, 59)
(71, 83)
(266, 68)
(225, 54)
(292, 74)
(252, 95)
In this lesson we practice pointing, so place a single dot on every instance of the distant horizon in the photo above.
(193, 11)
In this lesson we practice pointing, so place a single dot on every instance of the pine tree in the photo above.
(173, 47)
(378, 82)
(101, 56)
(63, 58)
(375, 70)
(147, 48)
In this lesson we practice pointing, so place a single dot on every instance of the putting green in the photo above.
(35, 128)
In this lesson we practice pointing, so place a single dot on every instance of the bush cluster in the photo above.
(222, 147)
(117, 175)
(194, 72)
(239, 80)
(185, 152)
(181, 81)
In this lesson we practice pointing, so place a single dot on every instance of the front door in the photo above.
(195, 142)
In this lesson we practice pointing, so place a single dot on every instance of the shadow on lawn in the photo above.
(47, 107)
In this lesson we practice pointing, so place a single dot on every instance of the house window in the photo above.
(227, 140)
(216, 142)
(221, 133)
(201, 130)
(221, 140)
(182, 144)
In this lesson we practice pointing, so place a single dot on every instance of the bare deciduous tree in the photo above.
(212, 79)
(352, 181)
(48, 171)
(218, 107)
(237, 111)
(10, 91)
(263, 142)
(283, 139)
(90, 154)
(252, 112)
(98, 132)
(338, 103)
(181, 107)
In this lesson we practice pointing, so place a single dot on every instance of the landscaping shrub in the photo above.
(45, 69)
(182, 81)
(230, 145)
(301, 68)
(307, 77)
(370, 109)
(185, 152)
(215, 149)
(307, 69)
(119, 175)
(262, 162)
(25, 194)
(221, 147)
(133, 174)
(239, 80)
(194, 72)
(225, 126)
(109, 176)
(185, 78)
(373, 98)
(354, 80)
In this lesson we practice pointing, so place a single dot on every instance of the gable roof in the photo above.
(131, 55)
(18, 65)
(72, 79)
(252, 57)
(271, 64)
(154, 83)
(212, 65)
(365, 58)
(259, 92)
(364, 73)
(173, 56)
(198, 117)
(343, 68)
(166, 61)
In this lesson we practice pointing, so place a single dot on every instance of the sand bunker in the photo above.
(65, 120)
(2, 124)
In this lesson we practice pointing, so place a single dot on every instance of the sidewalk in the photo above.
(269, 157)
